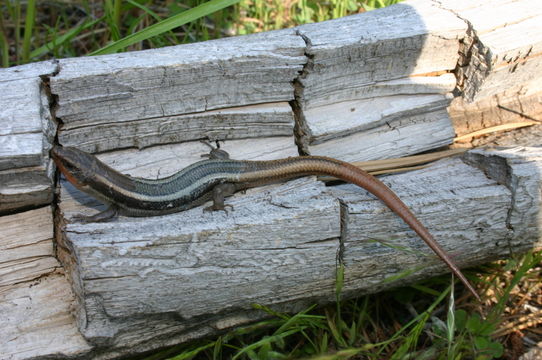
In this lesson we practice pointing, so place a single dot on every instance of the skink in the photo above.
(215, 179)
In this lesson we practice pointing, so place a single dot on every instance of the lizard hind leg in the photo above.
(220, 192)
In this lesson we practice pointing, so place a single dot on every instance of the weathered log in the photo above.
(503, 108)
(397, 139)
(384, 74)
(256, 121)
(511, 108)
(26, 246)
(209, 90)
(499, 67)
(26, 134)
(506, 39)
(189, 274)
(36, 300)
(29, 71)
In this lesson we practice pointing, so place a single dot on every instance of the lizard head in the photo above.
(73, 163)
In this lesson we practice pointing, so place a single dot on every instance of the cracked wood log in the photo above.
(376, 83)
(153, 282)
(36, 301)
(511, 107)
(499, 67)
(231, 88)
(505, 38)
(26, 134)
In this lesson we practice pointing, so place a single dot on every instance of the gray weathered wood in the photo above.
(503, 53)
(484, 113)
(520, 168)
(394, 140)
(362, 74)
(467, 216)
(255, 121)
(26, 246)
(369, 86)
(368, 50)
(379, 72)
(26, 134)
(29, 71)
(37, 321)
(177, 80)
(21, 123)
(17, 198)
(35, 297)
(205, 250)
(26, 130)
(195, 273)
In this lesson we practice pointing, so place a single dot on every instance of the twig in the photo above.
(407, 163)
(503, 127)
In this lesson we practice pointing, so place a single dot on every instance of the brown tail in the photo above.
(355, 175)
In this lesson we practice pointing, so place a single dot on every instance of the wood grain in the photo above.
(170, 271)
(36, 301)
(26, 134)
(506, 45)
(382, 72)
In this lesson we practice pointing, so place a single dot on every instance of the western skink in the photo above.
(215, 179)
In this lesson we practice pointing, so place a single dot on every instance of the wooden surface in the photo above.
(256, 121)
(29, 71)
(506, 39)
(232, 88)
(504, 108)
(386, 75)
(26, 134)
(169, 271)
(36, 301)
(391, 141)
(26, 246)
(519, 169)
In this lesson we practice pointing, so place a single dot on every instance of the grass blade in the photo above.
(419, 322)
(264, 341)
(191, 353)
(145, 9)
(28, 28)
(166, 25)
(117, 9)
(111, 19)
(63, 38)
(4, 44)
(450, 322)
(530, 260)
(403, 274)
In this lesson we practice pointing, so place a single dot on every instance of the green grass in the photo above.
(34, 31)
(419, 322)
